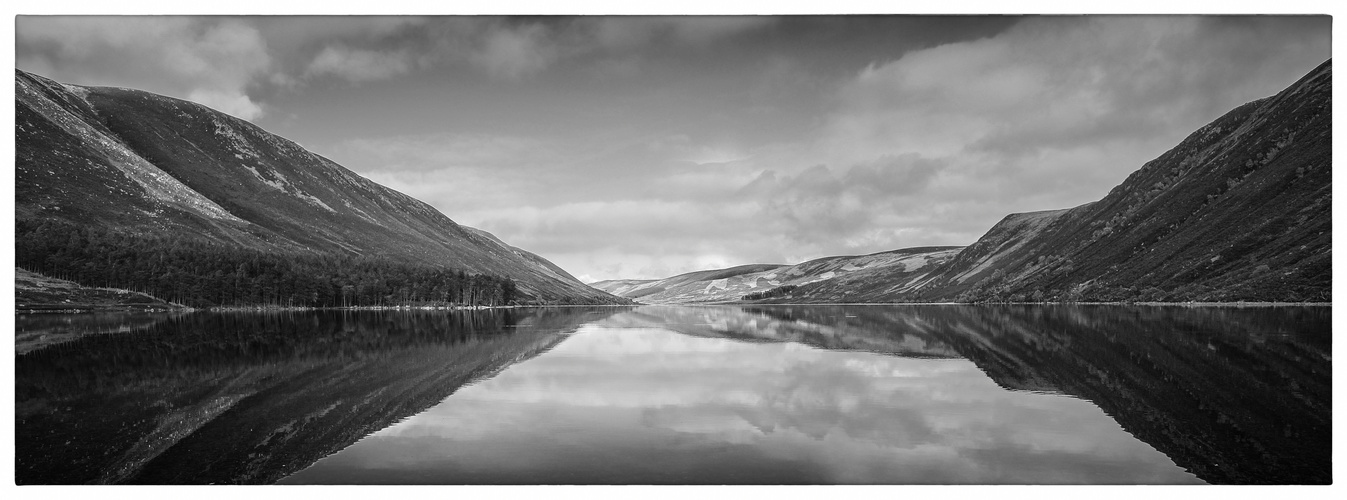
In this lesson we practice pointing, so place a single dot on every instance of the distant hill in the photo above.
(1240, 210)
(875, 273)
(126, 166)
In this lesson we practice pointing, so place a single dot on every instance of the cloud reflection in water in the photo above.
(651, 406)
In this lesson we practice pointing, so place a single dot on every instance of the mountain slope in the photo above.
(140, 163)
(889, 271)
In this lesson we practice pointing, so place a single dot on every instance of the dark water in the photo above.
(681, 395)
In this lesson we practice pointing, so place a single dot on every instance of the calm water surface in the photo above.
(681, 395)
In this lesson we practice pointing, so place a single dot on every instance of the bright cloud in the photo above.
(514, 52)
(358, 65)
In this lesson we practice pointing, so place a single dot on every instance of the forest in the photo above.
(202, 274)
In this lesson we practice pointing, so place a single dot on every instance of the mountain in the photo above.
(878, 273)
(1240, 210)
(127, 162)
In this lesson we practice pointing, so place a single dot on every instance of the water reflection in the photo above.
(1234, 395)
(249, 398)
(40, 330)
(620, 405)
(660, 394)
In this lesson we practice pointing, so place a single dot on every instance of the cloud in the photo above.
(620, 33)
(818, 204)
(233, 103)
(290, 33)
(513, 52)
(357, 65)
(235, 61)
(452, 150)
(687, 216)
(231, 62)
(1064, 83)
(703, 30)
(211, 59)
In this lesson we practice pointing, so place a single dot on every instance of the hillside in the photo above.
(1240, 210)
(879, 272)
(126, 162)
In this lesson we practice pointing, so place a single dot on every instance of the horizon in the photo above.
(643, 148)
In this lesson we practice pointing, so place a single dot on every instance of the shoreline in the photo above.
(263, 309)
(231, 309)
(1162, 304)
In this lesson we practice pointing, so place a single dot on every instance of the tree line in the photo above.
(780, 291)
(206, 274)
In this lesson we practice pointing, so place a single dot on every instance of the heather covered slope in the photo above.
(139, 163)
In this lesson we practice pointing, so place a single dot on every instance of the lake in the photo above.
(930, 394)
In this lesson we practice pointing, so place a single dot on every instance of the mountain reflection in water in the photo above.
(252, 397)
(666, 394)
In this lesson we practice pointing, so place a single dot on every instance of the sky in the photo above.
(643, 147)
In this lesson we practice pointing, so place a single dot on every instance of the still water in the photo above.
(681, 395)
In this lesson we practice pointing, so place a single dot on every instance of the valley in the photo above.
(1239, 211)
